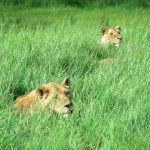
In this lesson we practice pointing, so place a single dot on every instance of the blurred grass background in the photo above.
(78, 3)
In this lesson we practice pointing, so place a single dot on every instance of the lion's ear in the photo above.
(66, 81)
(41, 90)
(117, 28)
(104, 30)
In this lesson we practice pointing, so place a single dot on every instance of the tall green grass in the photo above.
(111, 102)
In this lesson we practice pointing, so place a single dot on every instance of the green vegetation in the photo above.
(78, 3)
(111, 102)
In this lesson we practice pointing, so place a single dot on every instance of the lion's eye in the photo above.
(111, 33)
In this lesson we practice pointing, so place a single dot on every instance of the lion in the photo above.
(111, 36)
(51, 96)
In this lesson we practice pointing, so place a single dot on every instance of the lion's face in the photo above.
(111, 36)
(56, 96)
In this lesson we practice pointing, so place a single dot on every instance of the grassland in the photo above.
(111, 102)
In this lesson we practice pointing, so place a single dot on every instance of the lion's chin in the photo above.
(117, 45)
(66, 115)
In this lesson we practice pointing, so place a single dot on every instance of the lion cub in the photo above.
(51, 96)
(111, 36)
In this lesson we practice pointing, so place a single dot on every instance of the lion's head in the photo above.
(111, 36)
(53, 96)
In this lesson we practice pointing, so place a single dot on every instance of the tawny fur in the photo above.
(52, 96)
(111, 36)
